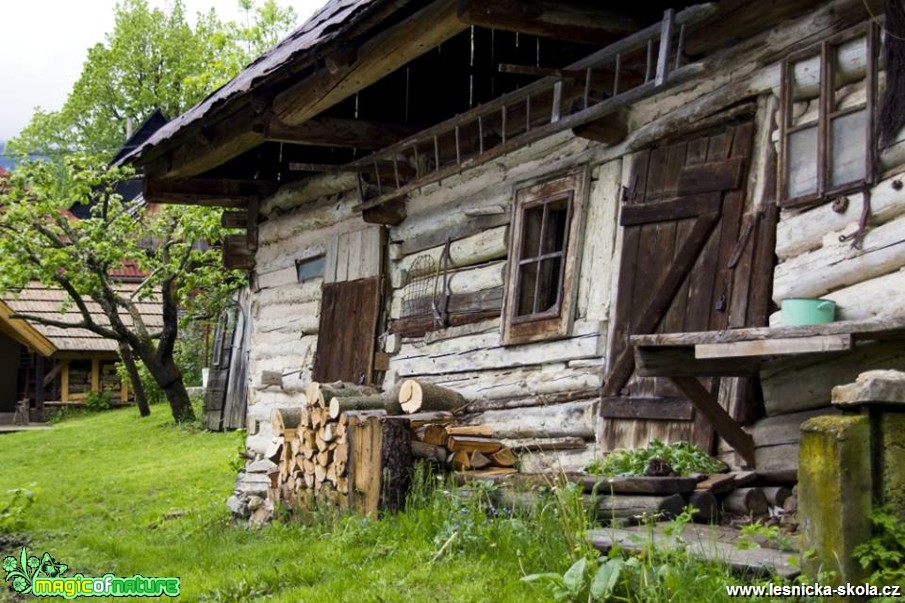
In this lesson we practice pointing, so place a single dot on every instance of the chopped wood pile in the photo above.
(341, 444)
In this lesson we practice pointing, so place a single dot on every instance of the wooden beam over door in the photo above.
(375, 59)
(588, 23)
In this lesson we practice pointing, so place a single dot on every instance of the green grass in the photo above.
(106, 482)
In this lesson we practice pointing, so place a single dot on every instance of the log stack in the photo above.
(351, 446)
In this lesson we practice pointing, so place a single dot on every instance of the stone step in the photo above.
(707, 543)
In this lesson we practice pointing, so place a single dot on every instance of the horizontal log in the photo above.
(639, 485)
(747, 501)
(818, 272)
(801, 231)
(784, 429)
(482, 246)
(418, 326)
(540, 399)
(795, 385)
(486, 351)
(657, 409)
(423, 450)
(544, 444)
(777, 463)
(571, 419)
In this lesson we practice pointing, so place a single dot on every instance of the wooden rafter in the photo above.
(375, 59)
(204, 191)
(576, 22)
(335, 132)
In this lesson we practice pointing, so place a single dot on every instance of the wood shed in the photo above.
(581, 217)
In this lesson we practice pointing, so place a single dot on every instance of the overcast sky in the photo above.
(43, 44)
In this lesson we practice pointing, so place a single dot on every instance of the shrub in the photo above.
(683, 457)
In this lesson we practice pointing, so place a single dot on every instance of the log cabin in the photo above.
(582, 218)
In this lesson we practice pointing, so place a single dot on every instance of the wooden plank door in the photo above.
(682, 215)
(218, 378)
(350, 307)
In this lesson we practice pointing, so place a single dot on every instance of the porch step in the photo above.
(707, 543)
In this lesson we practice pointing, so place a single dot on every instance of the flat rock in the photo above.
(887, 386)
(708, 543)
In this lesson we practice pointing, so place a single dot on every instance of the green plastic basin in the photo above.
(807, 311)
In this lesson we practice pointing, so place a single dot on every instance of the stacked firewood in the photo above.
(462, 448)
(313, 448)
(310, 445)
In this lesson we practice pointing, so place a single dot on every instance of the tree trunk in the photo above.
(168, 376)
(135, 380)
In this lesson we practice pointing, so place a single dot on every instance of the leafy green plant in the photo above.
(13, 508)
(586, 580)
(884, 554)
(683, 457)
(97, 401)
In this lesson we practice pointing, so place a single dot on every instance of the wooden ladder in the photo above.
(493, 131)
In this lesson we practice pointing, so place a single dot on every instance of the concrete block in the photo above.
(834, 493)
(891, 452)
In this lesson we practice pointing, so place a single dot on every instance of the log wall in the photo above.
(543, 394)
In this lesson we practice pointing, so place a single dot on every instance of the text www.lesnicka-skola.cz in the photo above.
(812, 590)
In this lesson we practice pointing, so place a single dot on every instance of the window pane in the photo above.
(527, 282)
(849, 144)
(548, 293)
(311, 268)
(802, 162)
(557, 225)
(534, 217)
(805, 78)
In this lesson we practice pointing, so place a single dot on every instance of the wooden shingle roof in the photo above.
(38, 300)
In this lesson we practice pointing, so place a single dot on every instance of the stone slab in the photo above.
(885, 386)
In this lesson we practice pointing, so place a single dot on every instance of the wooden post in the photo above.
(64, 384)
(39, 385)
(123, 390)
(95, 375)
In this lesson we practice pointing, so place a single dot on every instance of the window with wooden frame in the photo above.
(828, 101)
(543, 257)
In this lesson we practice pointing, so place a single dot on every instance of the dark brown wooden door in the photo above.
(681, 270)
(348, 325)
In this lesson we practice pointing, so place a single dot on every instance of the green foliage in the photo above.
(152, 59)
(41, 242)
(97, 401)
(683, 457)
(13, 507)
(884, 554)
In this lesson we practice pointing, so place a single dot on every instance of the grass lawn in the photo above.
(124, 495)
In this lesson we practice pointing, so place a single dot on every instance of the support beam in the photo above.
(64, 384)
(335, 132)
(724, 424)
(202, 191)
(610, 130)
(39, 385)
(95, 375)
(376, 58)
(550, 18)
(211, 146)
(391, 213)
